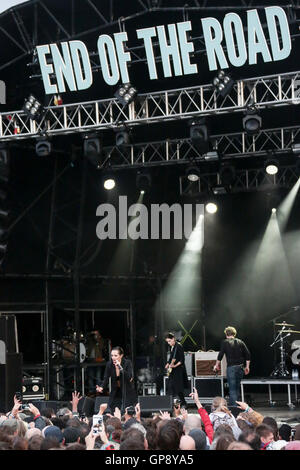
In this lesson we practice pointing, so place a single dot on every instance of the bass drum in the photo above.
(68, 351)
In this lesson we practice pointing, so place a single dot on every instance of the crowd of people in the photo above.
(28, 428)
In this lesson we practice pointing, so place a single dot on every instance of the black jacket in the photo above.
(178, 377)
(129, 396)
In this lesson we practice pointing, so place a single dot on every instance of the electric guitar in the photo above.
(169, 370)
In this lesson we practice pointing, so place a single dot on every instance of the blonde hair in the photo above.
(220, 404)
(230, 331)
(252, 417)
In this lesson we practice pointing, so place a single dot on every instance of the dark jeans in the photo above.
(234, 377)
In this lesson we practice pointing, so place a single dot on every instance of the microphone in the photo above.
(119, 366)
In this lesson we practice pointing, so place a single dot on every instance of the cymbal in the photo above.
(291, 331)
(284, 324)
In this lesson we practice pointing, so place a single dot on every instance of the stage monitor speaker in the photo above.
(209, 387)
(10, 380)
(155, 404)
(86, 406)
(98, 402)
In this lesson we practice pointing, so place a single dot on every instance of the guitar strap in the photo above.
(173, 353)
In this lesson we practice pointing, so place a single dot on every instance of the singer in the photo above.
(119, 370)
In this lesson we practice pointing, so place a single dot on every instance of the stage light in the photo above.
(274, 210)
(193, 174)
(143, 181)
(211, 207)
(33, 108)
(122, 138)
(271, 167)
(92, 149)
(199, 135)
(43, 148)
(219, 189)
(252, 122)
(223, 83)
(296, 149)
(126, 93)
(109, 183)
(211, 156)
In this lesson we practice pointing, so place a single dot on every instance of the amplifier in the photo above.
(205, 361)
(209, 387)
(186, 391)
(33, 388)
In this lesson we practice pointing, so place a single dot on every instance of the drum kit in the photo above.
(65, 349)
(281, 369)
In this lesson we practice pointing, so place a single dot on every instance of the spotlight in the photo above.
(199, 135)
(274, 210)
(273, 200)
(223, 83)
(33, 108)
(109, 181)
(143, 181)
(92, 149)
(126, 93)
(296, 149)
(43, 148)
(252, 122)
(122, 138)
(193, 173)
(219, 189)
(211, 208)
(212, 156)
(271, 167)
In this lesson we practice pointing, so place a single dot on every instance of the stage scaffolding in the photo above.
(157, 107)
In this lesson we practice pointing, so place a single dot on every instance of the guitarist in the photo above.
(176, 370)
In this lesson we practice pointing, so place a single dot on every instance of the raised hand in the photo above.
(75, 400)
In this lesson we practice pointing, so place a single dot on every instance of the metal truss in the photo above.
(163, 106)
(231, 146)
(246, 181)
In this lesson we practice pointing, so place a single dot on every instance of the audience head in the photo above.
(273, 424)
(192, 421)
(265, 433)
(168, 437)
(285, 431)
(187, 443)
(199, 437)
(235, 445)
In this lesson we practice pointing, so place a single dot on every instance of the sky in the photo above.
(4, 4)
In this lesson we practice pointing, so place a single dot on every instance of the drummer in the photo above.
(95, 346)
